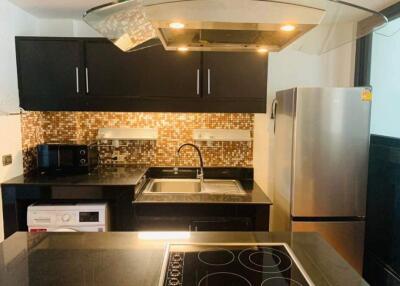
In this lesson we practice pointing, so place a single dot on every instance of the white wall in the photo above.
(55, 27)
(289, 69)
(65, 28)
(13, 21)
(385, 76)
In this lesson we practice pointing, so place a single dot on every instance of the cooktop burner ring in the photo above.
(269, 251)
(243, 279)
(231, 254)
(261, 265)
(296, 283)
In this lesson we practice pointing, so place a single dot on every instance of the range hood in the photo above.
(312, 26)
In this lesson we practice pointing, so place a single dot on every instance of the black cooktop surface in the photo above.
(233, 265)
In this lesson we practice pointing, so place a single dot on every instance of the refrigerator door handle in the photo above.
(274, 105)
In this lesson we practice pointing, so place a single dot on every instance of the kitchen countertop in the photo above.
(105, 175)
(130, 175)
(109, 259)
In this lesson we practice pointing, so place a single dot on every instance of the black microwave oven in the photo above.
(58, 158)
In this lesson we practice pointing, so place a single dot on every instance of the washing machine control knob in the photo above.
(65, 217)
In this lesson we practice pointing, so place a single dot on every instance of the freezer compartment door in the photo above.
(346, 237)
(330, 153)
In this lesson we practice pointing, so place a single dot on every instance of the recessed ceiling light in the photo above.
(176, 25)
(262, 50)
(288, 28)
(183, 49)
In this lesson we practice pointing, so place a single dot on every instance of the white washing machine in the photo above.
(68, 217)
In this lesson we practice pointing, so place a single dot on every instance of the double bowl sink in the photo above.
(194, 186)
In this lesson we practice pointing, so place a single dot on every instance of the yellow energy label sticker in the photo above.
(366, 95)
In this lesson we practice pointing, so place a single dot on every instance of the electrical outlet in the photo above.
(7, 159)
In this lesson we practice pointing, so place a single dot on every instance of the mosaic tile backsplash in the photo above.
(174, 129)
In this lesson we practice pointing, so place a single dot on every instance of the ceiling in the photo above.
(58, 8)
(75, 8)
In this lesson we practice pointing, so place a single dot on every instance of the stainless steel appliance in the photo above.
(268, 264)
(313, 26)
(321, 165)
(55, 158)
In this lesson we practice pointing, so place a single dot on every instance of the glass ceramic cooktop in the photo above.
(233, 265)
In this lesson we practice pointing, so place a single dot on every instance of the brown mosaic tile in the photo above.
(32, 135)
(174, 129)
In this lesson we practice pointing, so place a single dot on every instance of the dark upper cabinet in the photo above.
(49, 73)
(235, 75)
(91, 74)
(151, 79)
(147, 73)
(169, 74)
(110, 72)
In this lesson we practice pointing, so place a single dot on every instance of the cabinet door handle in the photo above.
(87, 80)
(198, 82)
(77, 79)
(209, 81)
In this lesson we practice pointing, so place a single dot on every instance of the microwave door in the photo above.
(52, 160)
(66, 158)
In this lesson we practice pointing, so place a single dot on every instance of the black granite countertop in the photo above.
(110, 259)
(130, 175)
(105, 175)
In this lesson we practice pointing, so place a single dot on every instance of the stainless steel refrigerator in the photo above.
(321, 165)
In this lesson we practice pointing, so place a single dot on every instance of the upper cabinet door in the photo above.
(234, 75)
(109, 72)
(49, 72)
(147, 73)
(170, 74)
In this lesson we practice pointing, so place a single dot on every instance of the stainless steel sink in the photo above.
(173, 186)
(192, 186)
(222, 187)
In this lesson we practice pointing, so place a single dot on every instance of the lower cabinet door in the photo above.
(190, 224)
(225, 224)
(376, 272)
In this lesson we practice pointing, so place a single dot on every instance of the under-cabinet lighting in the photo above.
(161, 235)
(176, 25)
(183, 49)
(288, 28)
(262, 50)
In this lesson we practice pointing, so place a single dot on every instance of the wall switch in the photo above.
(7, 159)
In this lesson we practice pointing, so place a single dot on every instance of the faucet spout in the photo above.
(200, 175)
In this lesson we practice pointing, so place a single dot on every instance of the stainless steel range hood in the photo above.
(312, 26)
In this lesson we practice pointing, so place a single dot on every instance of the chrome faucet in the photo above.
(200, 174)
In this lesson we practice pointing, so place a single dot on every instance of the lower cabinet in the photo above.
(222, 224)
(201, 217)
(377, 273)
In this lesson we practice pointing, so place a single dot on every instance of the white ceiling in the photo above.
(75, 8)
(57, 8)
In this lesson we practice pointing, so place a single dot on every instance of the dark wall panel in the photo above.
(382, 245)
